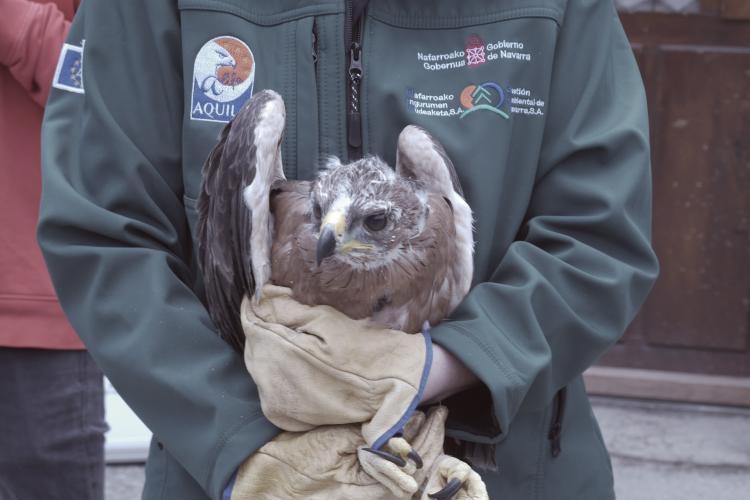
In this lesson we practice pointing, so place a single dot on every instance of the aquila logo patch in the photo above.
(69, 71)
(223, 78)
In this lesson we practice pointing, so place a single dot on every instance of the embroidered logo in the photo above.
(475, 51)
(223, 78)
(488, 96)
(69, 71)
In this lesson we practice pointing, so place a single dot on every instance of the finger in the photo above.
(412, 427)
(471, 487)
(393, 477)
(474, 488)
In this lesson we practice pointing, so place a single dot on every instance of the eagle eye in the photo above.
(376, 222)
(317, 212)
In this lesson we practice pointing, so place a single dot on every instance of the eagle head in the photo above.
(365, 213)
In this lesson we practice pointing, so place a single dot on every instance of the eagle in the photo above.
(391, 244)
(210, 59)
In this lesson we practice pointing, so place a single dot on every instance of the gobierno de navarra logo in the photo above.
(223, 78)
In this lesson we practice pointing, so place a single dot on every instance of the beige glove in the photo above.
(316, 366)
(320, 464)
(323, 464)
(452, 478)
(441, 476)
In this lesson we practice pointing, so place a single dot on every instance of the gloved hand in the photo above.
(331, 462)
(437, 475)
(320, 464)
(316, 366)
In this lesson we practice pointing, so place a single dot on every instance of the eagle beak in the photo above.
(326, 242)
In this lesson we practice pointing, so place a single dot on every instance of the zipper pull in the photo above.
(558, 413)
(355, 79)
(315, 42)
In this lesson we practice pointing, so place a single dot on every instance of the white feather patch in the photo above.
(269, 170)
(429, 167)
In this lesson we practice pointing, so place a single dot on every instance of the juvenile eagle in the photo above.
(371, 241)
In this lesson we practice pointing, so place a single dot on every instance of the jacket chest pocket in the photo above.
(478, 81)
(232, 49)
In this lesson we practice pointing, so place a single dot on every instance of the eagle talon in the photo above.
(387, 456)
(450, 489)
(416, 458)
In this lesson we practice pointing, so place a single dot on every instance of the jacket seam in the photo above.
(320, 87)
(438, 22)
(260, 18)
(538, 477)
(163, 492)
(508, 371)
(341, 101)
(292, 78)
(365, 90)
(498, 327)
(251, 418)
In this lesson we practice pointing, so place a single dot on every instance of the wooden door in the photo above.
(696, 69)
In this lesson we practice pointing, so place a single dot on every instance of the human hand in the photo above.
(320, 464)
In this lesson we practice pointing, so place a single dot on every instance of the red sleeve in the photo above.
(31, 36)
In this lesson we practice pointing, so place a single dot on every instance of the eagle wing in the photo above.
(234, 228)
(421, 158)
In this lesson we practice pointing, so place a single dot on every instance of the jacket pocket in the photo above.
(554, 435)
(232, 49)
(477, 81)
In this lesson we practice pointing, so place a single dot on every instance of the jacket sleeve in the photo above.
(31, 35)
(582, 264)
(114, 233)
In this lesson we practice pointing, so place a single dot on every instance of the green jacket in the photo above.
(538, 103)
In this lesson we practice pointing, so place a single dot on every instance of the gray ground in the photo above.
(660, 452)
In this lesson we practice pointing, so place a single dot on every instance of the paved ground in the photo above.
(659, 451)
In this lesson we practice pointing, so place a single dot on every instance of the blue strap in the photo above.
(398, 426)
(227, 495)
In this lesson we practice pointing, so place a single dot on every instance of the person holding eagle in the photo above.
(541, 112)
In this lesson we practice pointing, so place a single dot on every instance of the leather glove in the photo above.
(320, 464)
(436, 476)
(316, 366)
(331, 462)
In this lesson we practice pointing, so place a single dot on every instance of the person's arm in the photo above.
(583, 263)
(115, 237)
(31, 35)
(448, 376)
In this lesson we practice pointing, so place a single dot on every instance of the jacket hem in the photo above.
(235, 447)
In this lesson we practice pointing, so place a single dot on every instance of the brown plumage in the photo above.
(393, 245)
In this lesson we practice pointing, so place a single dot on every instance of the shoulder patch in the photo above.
(69, 71)
(223, 78)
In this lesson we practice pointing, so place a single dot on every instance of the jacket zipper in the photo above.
(555, 430)
(355, 73)
(315, 42)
